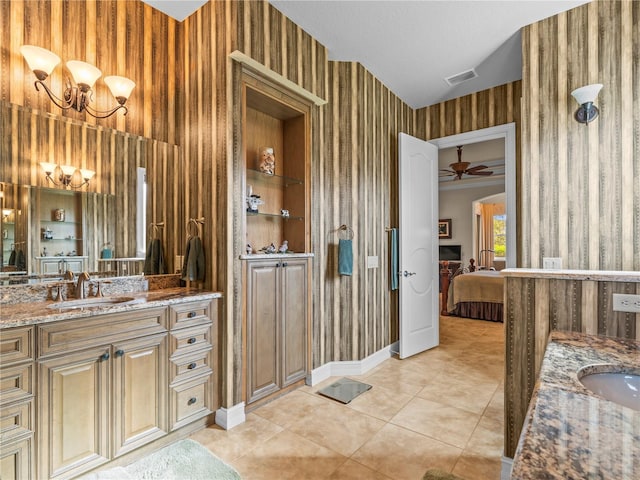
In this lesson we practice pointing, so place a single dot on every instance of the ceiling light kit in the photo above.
(42, 62)
(586, 97)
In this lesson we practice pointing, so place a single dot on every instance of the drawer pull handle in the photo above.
(192, 400)
(192, 366)
(191, 314)
(119, 353)
(192, 340)
(105, 356)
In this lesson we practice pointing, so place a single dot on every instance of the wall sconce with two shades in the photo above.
(42, 62)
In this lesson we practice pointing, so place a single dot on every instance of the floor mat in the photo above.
(344, 390)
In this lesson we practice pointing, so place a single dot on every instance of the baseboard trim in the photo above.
(351, 367)
(230, 417)
(507, 464)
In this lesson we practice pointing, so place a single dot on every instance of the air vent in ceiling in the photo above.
(458, 78)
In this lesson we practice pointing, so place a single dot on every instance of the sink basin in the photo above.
(91, 302)
(616, 383)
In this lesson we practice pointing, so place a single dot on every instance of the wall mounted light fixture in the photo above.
(586, 96)
(65, 174)
(42, 62)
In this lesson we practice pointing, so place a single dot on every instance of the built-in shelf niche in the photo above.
(273, 118)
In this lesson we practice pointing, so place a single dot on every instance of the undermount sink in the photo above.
(616, 383)
(91, 302)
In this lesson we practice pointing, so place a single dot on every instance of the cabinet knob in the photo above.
(119, 353)
(192, 400)
(191, 314)
(192, 340)
(105, 356)
(284, 264)
(278, 265)
(192, 366)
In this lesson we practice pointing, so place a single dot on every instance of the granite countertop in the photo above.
(570, 432)
(33, 313)
(567, 274)
(268, 256)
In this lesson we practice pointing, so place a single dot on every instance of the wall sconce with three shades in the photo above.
(63, 174)
(42, 62)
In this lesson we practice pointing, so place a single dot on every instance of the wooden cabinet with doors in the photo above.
(277, 325)
(17, 405)
(103, 389)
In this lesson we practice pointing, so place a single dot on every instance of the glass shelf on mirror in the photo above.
(273, 215)
(58, 222)
(61, 239)
(253, 174)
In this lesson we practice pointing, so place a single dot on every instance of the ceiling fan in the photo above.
(460, 168)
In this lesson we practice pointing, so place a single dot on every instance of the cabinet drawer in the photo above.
(190, 401)
(16, 460)
(16, 383)
(190, 314)
(16, 420)
(72, 335)
(187, 340)
(16, 345)
(193, 364)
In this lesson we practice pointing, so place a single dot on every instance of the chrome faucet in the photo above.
(82, 279)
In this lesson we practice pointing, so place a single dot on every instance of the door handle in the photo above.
(409, 274)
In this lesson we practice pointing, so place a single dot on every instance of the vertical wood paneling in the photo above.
(582, 202)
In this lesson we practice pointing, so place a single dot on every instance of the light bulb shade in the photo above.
(121, 87)
(48, 168)
(68, 170)
(6, 212)
(39, 59)
(87, 174)
(587, 94)
(83, 73)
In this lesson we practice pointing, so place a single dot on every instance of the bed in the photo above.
(477, 295)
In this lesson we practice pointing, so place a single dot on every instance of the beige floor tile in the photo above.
(473, 467)
(337, 427)
(289, 408)
(436, 420)
(288, 456)
(469, 397)
(231, 444)
(405, 455)
(486, 442)
(380, 402)
(351, 470)
(393, 377)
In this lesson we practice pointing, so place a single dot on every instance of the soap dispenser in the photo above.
(107, 251)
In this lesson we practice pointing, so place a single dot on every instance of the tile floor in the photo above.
(440, 409)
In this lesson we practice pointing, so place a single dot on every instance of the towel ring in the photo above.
(154, 230)
(344, 228)
(193, 223)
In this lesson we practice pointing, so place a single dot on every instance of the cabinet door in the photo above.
(263, 373)
(76, 265)
(294, 321)
(15, 460)
(51, 266)
(73, 407)
(139, 392)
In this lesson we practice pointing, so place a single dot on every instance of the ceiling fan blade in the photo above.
(477, 167)
(447, 174)
(480, 173)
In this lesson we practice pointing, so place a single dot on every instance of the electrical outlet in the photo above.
(552, 263)
(626, 303)
(372, 261)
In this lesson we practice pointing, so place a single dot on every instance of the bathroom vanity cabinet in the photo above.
(277, 325)
(107, 385)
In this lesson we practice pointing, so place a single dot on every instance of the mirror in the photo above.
(100, 219)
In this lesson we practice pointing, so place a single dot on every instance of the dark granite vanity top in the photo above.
(570, 432)
(32, 313)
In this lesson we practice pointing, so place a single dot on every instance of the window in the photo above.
(500, 236)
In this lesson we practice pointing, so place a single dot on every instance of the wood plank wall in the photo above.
(355, 184)
(582, 198)
(582, 202)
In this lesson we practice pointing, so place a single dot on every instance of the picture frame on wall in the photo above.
(444, 228)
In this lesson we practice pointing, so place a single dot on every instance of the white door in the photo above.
(418, 261)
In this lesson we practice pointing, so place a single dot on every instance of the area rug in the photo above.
(183, 460)
(435, 474)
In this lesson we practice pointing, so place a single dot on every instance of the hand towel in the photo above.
(154, 259)
(12, 257)
(193, 265)
(345, 257)
(393, 268)
(21, 261)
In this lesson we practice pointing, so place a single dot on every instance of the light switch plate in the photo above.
(372, 262)
(626, 303)
(552, 263)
